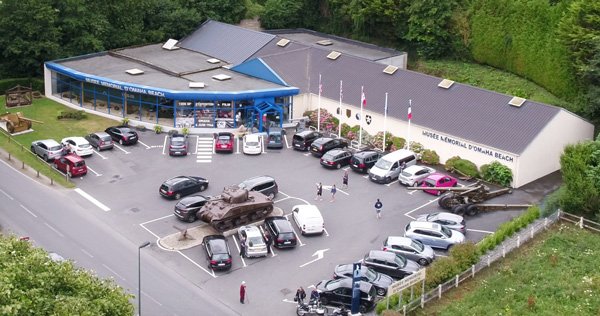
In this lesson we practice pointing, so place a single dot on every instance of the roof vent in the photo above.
(282, 42)
(516, 101)
(334, 55)
(390, 70)
(170, 44)
(446, 84)
(221, 77)
(213, 61)
(134, 71)
(325, 42)
(196, 85)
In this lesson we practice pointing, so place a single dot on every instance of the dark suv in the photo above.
(281, 231)
(324, 144)
(187, 208)
(339, 292)
(263, 184)
(177, 187)
(336, 158)
(390, 263)
(362, 161)
(302, 140)
(217, 252)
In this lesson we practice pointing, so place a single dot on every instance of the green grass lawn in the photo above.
(556, 274)
(46, 110)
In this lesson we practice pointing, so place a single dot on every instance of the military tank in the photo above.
(235, 207)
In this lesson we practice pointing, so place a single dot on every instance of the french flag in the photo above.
(409, 111)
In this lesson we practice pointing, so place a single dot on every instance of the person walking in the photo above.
(243, 292)
(243, 247)
(300, 296)
(345, 180)
(333, 190)
(268, 241)
(319, 192)
(378, 206)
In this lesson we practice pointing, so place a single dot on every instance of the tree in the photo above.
(428, 26)
(382, 19)
(34, 284)
(280, 14)
(228, 11)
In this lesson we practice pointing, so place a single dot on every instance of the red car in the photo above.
(75, 163)
(224, 142)
(438, 180)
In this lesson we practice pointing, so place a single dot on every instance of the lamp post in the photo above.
(146, 244)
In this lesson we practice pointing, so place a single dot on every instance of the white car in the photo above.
(77, 145)
(255, 244)
(414, 175)
(252, 144)
(309, 219)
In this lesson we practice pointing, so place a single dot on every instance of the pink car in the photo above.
(438, 180)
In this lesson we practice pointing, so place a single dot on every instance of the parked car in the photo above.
(77, 145)
(308, 219)
(452, 221)
(432, 234)
(390, 263)
(177, 187)
(217, 252)
(100, 140)
(438, 180)
(275, 137)
(75, 164)
(48, 149)
(263, 184)
(187, 208)
(303, 140)
(324, 144)
(252, 144)
(122, 134)
(178, 145)
(255, 243)
(414, 175)
(388, 167)
(56, 257)
(336, 158)
(281, 231)
(380, 281)
(362, 161)
(410, 249)
(339, 292)
(224, 142)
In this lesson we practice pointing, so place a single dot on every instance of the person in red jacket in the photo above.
(243, 292)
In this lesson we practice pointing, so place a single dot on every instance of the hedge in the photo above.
(36, 83)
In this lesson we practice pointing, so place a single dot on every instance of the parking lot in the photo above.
(121, 188)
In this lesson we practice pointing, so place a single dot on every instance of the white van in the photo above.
(388, 167)
(309, 219)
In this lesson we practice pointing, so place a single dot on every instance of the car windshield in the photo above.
(84, 145)
(124, 130)
(332, 285)
(383, 164)
(417, 245)
(446, 231)
(432, 217)
(430, 183)
(177, 141)
(370, 274)
(407, 174)
(220, 256)
(328, 156)
(53, 148)
(79, 164)
(255, 241)
(287, 236)
(400, 261)
(224, 139)
(251, 143)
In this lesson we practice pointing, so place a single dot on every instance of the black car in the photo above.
(187, 208)
(304, 139)
(263, 184)
(390, 263)
(281, 231)
(122, 135)
(336, 158)
(177, 187)
(380, 281)
(362, 161)
(339, 292)
(324, 144)
(178, 145)
(217, 252)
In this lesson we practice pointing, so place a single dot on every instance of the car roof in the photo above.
(178, 136)
(365, 153)
(308, 210)
(218, 243)
(322, 140)
(343, 268)
(414, 168)
(76, 139)
(304, 133)
(382, 254)
(101, 134)
(436, 176)
(225, 134)
(73, 158)
(446, 215)
(176, 180)
(251, 137)
(49, 142)
(251, 231)
(192, 199)
(397, 240)
(257, 179)
(347, 283)
(415, 224)
(282, 222)
(337, 151)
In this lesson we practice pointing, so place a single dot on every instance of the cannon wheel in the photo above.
(10, 127)
(446, 201)
(28, 124)
(459, 210)
(472, 210)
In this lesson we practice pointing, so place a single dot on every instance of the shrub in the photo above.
(125, 121)
(465, 255)
(465, 166)
(173, 131)
(37, 84)
(185, 131)
(397, 143)
(328, 121)
(157, 128)
(72, 114)
(390, 312)
(440, 270)
(378, 141)
(417, 148)
(141, 127)
(497, 173)
(430, 157)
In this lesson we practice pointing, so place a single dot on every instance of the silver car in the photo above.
(414, 175)
(410, 249)
(48, 149)
(255, 244)
(450, 220)
(432, 234)
(100, 140)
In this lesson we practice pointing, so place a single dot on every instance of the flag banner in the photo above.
(409, 111)
(320, 85)
(363, 99)
(341, 91)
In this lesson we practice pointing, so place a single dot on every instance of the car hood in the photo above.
(457, 237)
(428, 252)
(383, 280)
(411, 266)
(377, 171)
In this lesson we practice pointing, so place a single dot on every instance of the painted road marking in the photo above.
(28, 211)
(237, 245)
(56, 231)
(395, 181)
(10, 197)
(113, 272)
(420, 208)
(87, 253)
(92, 170)
(93, 200)
(479, 231)
(147, 147)
(98, 153)
(121, 149)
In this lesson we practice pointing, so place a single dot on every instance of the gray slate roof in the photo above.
(226, 42)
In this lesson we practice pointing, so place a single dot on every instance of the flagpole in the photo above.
(341, 112)
(385, 120)
(362, 102)
(319, 107)
(409, 117)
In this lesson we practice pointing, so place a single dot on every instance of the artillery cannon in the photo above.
(467, 200)
(16, 122)
(235, 207)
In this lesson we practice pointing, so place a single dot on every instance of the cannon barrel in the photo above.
(31, 120)
(448, 189)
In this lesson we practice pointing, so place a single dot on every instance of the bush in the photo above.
(72, 114)
(157, 128)
(465, 255)
(125, 121)
(378, 140)
(397, 143)
(508, 229)
(497, 173)
(465, 166)
(430, 157)
(441, 270)
(328, 121)
(390, 312)
(185, 131)
(417, 148)
(173, 131)
(141, 127)
(37, 84)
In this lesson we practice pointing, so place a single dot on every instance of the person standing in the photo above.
(345, 180)
(268, 241)
(378, 206)
(319, 192)
(333, 190)
(243, 292)
(403, 166)
(243, 247)
(300, 296)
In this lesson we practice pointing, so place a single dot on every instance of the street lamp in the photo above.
(146, 244)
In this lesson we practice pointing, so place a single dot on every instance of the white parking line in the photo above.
(292, 226)
(92, 170)
(165, 145)
(87, 253)
(98, 153)
(28, 211)
(237, 246)
(286, 141)
(307, 154)
(326, 232)
(203, 156)
(480, 231)
(123, 150)
(197, 139)
(91, 199)
(395, 181)
(113, 272)
(420, 207)
(346, 169)
(366, 176)
(156, 219)
(10, 197)
(196, 264)
(204, 160)
(411, 192)
(150, 297)
(56, 231)
(147, 147)
(328, 187)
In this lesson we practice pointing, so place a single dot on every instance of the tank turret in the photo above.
(235, 207)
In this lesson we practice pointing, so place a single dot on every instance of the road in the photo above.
(52, 221)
